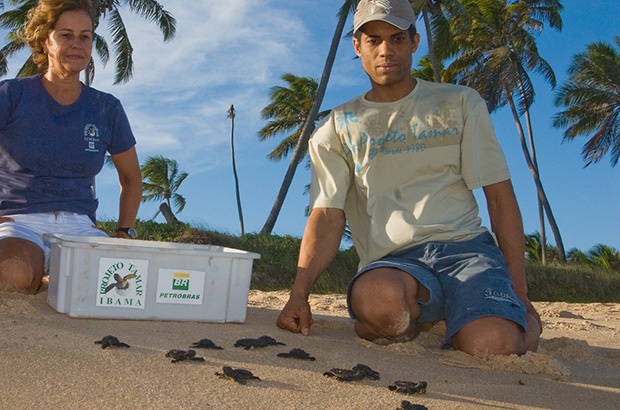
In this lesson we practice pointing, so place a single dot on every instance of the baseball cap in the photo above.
(398, 13)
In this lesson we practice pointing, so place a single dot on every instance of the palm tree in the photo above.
(577, 256)
(302, 144)
(231, 115)
(288, 111)
(14, 20)
(289, 108)
(605, 257)
(425, 70)
(436, 15)
(533, 248)
(602, 256)
(592, 95)
(496, 57)
(161, 181)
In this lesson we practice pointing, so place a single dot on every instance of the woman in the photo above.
(54, 134)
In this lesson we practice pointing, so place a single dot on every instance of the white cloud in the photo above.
(181, 90)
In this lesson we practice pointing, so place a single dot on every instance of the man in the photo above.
(400, 162)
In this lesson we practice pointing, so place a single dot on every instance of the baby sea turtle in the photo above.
(262, 341)
(111, 341)
(205, 344)
(178, 355)
(405, 387)
(241, 376)
(407, 405)
(356, 373)
(297, 354)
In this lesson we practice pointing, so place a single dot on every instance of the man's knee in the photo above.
(383, 301)
(392, 329)
(490, 336)
(382, 291)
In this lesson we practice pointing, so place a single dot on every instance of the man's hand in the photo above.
(319, 246)
(296, 316)
(531, 310)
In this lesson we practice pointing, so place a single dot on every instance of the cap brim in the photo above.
(388, 18)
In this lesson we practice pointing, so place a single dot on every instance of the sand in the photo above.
(49, 360)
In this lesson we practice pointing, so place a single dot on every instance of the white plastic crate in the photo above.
(112, 278)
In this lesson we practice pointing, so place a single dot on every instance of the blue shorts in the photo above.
(32, 227)
(466, 281)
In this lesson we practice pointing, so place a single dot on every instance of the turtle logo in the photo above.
(122, 282)
(91, 137)
(91, 131)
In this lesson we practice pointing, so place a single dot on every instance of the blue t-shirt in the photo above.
(50, 153)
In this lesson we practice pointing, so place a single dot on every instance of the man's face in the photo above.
(385, 51)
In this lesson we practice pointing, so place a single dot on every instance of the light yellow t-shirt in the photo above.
(404, 171)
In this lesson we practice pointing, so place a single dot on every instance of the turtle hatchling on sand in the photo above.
(110, 341)
(205, 344)
(407, 405)
(297, 354)
(241, 376)
(262, 341)
(178, 355)
(405, 387)
(356, 373)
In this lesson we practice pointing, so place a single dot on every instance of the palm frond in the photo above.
(122, 48)
(152, 11)
(288, 111)
(591, 96)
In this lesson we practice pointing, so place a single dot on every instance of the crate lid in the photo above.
(80, 241)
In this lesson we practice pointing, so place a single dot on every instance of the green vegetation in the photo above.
(275, 270)
(572, 282)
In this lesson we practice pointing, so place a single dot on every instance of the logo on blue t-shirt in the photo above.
(91, 136)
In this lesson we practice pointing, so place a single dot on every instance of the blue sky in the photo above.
(228, 54)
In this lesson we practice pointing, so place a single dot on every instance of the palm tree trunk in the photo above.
(541, 212)
(300, 148)
(541, 192)
(231, 115)
(431, 46)
(167, 213)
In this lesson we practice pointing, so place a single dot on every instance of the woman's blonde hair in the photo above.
(41, 21)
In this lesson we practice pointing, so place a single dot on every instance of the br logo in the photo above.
(180, 281)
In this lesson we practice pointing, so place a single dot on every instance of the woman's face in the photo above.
(70, 44)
